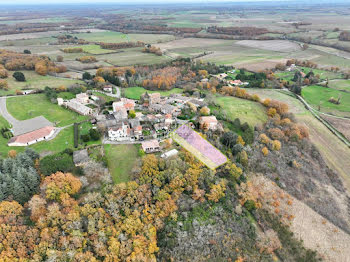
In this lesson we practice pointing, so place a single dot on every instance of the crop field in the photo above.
(132, 56)
(247, 111)
(319, 96)
(271, 45)
(136, 92)
(38, 105)
(117, 37)
(121, 159)
(94, 49)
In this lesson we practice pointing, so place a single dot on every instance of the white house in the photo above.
(120, 132)
(150, 146)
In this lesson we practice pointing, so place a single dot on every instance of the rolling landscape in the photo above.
(175, 131)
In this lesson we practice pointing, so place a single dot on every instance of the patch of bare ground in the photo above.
(342, 125)
(271, 45)
(315, 231)
(259, 66)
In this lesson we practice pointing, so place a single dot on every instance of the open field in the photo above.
(136, 92)
(94, 49)
(341, 124)
(38, 105)
(318, 95)
(35, 81)
(272, 45)
(247, 111)
(341, 85)
(117, 37)
(132, 56)
(121, 159)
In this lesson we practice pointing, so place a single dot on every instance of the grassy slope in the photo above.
(136, 92)
(35, 81)
(318, 94)
(246, 111)
(121, 159)
(335, 152)
(37, 105)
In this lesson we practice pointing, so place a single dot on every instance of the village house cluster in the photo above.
(78, 104)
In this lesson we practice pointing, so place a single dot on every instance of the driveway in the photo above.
(25, 126)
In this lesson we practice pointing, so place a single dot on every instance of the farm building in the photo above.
(32, 137)
(75, 106)
(150, 146)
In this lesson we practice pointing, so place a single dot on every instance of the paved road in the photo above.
(3, 111)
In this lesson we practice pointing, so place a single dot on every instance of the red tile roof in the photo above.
(32, 136)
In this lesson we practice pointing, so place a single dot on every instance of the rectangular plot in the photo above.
(199, 147)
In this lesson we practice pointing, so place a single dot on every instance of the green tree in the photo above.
(19, 76)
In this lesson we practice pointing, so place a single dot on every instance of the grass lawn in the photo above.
(121, 159)
(103, 96)
(316, 95)
(323, 73)
(26, 107)
(247, 111)
(65, 139)
(3, 141)
(66, 95)
(136, 92)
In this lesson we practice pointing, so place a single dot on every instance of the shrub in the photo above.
(57, 162)
(276, 145)
(26, 51)
(19, 76)
(276, 133)
(59, 58)
(264, 139)
(250, 205)
(85, 138)
(87, 76)
(94, 134)
(265, 151)
(271, 112)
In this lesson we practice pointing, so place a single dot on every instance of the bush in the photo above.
(58, 162)
(94, 134)
(250, 205)
(19, 76)
(85, 138)
(87, 76)
(26, 51)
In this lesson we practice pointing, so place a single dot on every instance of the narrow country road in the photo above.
(3, 111)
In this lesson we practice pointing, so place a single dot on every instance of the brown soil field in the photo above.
(272, 45)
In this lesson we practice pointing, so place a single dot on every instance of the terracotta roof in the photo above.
(32, 136)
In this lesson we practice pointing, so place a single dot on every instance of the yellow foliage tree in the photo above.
(265, 151)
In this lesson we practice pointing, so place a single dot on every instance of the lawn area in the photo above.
(35, 81)
(318, 95)
(323, 73)
(247, 111)
(121, 160)
(103, 96)
(3, 141)
(136, 92)
(65, 139)
(26, 107)
(342, 85)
